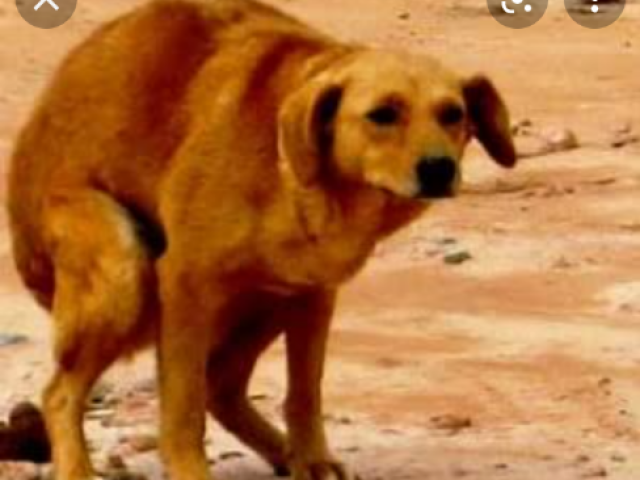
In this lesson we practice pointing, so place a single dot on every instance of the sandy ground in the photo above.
(521, 363)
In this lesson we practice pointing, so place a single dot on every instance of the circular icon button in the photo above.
(517, 14)
(46, 14)
(595, 14)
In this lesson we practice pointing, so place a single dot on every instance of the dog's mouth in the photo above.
(442, 193)
(418, 195)
(401, 198)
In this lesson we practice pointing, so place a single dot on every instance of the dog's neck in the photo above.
(341, 224)
(330, 210)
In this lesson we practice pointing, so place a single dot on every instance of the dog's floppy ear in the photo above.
(490, 119)
(305, 130)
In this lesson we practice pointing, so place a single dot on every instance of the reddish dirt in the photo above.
(520, 363)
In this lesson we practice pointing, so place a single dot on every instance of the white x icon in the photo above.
(50, 2)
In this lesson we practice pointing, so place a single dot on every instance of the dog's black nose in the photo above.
(437, 176)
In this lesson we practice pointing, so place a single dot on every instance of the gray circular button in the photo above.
(595, 14)
(46, 14)
(517, 14)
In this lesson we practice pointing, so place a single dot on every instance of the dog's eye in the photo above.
(384, 116)
(451, 115)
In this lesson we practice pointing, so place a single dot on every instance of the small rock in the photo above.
(618, 458)
(390, 363)
(338, 420)
(583, 458)
(595, 472)
(563, 264)
(459, 472)
(622, 139)
(561, 139)
(142, 443)
(457, 258)
(453, 423)
(102, 416)
(147, 386)
(352, 449)
(102, 397)
(115, 462)
(124, 475)
(445, 241)
(232, 455)
(9, 340)
(521, 127)
(404, 16)
(501, 466)
(536, 143)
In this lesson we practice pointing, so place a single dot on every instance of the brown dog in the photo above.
(206, 174)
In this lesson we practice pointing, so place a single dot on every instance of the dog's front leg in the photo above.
(189, 317)
(307, 327)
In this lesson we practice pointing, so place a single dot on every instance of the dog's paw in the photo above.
(322, 470)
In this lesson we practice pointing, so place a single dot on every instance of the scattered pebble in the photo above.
(622, 139)
(605, 383)
(102, 398)
(595, 472)
(452, 423)
(9, 340)
(100, 415)
(521, 127)
(123, 475)
(338, 420)
(460, 472)
(115, 462)
(445, 241)
(535, 142)
(560, 139)
(404, 16)
(352, 449)
(142, 443)
(232, 455)
(563, 264)
(457, 258)
(148, 386)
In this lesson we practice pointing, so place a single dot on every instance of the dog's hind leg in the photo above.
(101, 277)
(229, 371)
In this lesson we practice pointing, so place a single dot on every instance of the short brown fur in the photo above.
(203, 176)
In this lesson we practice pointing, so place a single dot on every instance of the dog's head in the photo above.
(391, 121)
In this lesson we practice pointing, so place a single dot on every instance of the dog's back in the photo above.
(117, 110)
